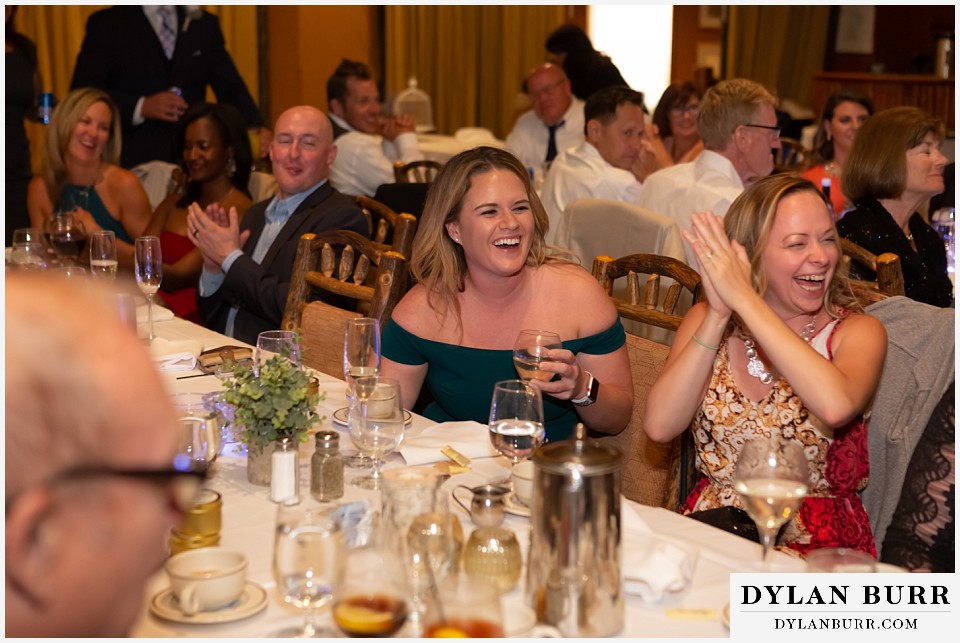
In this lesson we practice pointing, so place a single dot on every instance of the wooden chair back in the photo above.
(368, 273)
(643, 302)
(389, 227)
(648, 468)
(886, 267)
(416, 171)
(321, 338)
(791, 157)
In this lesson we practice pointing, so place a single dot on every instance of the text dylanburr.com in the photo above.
(847, 607)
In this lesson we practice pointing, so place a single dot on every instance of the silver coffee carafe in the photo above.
(573, 566)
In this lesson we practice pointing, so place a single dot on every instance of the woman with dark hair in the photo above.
(843, 114)
(675, 138)
(214, 152)
(588, 69)
(483, 274)
(22, 85)
(894, 167)
(780, 349)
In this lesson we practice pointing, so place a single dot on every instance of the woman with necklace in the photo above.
(779, 349)
(214, 152)
(896, 166)
(79, 172)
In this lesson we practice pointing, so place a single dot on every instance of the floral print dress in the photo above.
(832, 514)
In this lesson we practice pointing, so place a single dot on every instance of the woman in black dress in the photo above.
(894, 167)
(21, 88)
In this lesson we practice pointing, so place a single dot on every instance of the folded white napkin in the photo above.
(159, 314)
(175, 356)
(472, 439)
(652, 567)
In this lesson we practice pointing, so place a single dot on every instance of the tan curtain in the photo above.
(471, 60)
(781, 47)
(58, 33)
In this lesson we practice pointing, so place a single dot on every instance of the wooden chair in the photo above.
(388, 227)
(649, 469)
(369, 273)
(321, 339)
(416, 171)
(648, 308)
(886, 267)
(791, 156)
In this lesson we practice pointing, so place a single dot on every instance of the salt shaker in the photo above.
(284, 477)
(326, 467)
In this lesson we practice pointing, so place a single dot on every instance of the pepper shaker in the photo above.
(326, 467)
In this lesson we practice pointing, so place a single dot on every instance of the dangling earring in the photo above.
(231, 167)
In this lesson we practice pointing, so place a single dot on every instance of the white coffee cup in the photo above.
(206, 579)
(522, 479)
(520, 622)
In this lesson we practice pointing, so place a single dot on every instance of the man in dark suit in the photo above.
(247, 268)
(155, 61)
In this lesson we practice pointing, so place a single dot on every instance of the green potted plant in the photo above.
(278, 403)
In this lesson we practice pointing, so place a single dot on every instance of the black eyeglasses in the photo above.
(182, 484)
(772, 128)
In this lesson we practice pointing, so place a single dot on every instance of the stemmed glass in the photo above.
(277, 342)
(361, 366)
(148, 265)
(771, 478)
(516, 420)
(309, 556)
(67, 236)
(376, 427)
(530, 349)
(103, 255)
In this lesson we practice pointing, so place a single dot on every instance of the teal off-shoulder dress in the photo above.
(461, 379)
(87, 198)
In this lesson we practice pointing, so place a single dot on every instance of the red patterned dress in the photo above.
(832, 514)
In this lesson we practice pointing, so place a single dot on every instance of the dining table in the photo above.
(696, 610)
(441, 147)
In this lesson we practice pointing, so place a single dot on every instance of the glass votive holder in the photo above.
(840, 560)
(493, 553)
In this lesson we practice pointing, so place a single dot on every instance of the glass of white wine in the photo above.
(530, 350)
(148, 266)
(771, 478)
(103, 255)
(516, 420)
(361, 366)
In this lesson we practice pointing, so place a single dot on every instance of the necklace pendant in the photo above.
(766, 378)
(755, 367)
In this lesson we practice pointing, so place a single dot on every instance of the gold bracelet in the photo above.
(705, 345)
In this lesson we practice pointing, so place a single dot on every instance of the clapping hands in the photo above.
(724, 265)
(215, 232)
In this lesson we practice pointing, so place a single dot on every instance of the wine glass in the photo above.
(371, 602)
(361, 366)
(277, 342)
(67, 235)
(376, 427)
(771, 478)
(148, 265)
(103, 255)
(516, 420)
(308, 561)
(530, 349)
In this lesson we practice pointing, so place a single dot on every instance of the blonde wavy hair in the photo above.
(63, 120)
(749, 220)
(438, 263)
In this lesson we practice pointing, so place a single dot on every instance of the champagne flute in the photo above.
(771, 478)
(103, 255)
(361, 366)
(376, 427)
(277, 342)
(530, 350)
(308, 561)
(516, 420)
(67, 235)
(148, 265)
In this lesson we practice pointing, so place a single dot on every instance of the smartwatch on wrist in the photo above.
(593, 387)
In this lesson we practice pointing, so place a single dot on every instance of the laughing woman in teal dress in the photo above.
(79, 172)
(484, 274)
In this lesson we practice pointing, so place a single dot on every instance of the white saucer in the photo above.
(515, 507)
(253, 600)
(725, 615)
(342, 417)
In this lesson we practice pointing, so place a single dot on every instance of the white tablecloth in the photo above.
(249, 517)
(437, 147)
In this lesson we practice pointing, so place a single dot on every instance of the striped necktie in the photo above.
(167, 34)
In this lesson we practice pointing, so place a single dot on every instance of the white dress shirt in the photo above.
(580, 172)
(708, 183)
(365, 161)
(528, 139)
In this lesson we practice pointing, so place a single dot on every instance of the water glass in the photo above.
(27, 251)
(103, 255)
(516, 419)
(277, 342)
(376, 427)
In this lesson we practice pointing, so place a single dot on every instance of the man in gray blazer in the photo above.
(247, 267)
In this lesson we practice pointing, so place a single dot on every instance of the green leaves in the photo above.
(275, 405)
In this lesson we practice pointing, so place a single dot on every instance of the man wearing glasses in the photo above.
(91, 491)
(738, 125)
